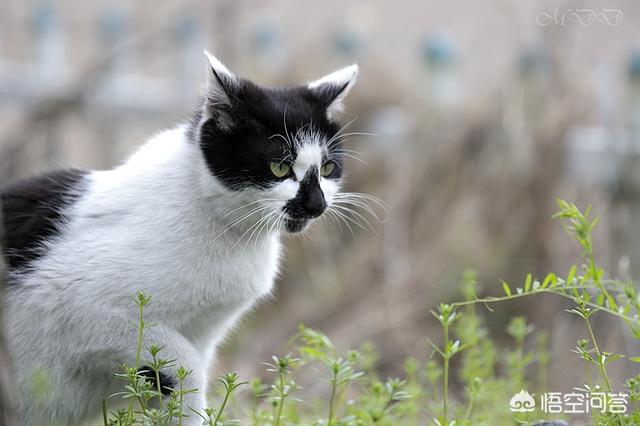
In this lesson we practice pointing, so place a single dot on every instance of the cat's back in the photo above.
(66, 215)
(35, 211)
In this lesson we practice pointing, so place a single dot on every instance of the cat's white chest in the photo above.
(241, 273)
(224, 286)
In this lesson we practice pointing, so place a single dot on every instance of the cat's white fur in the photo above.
(162, 224)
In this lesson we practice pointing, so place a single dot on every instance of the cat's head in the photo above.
(277, 150)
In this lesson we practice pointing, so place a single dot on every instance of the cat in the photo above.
(193, 219)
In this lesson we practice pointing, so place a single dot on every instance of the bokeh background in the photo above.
(483, 113)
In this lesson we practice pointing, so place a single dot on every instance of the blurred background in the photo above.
(483, 113)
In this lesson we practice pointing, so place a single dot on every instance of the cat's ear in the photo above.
(222, 91)
(333, 88)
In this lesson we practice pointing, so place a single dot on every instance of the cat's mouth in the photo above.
(294, 225)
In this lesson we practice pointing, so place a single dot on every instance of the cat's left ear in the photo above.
(333, 88)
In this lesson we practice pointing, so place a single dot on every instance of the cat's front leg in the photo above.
(174, 346)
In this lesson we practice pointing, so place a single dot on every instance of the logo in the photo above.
(582, 17)
(522, 402)
(581, 401)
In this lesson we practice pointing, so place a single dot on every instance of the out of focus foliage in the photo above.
(491, 373)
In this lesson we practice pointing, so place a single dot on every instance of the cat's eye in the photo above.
(327, 168)
(280, 169)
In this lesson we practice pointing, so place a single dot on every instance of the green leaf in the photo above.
(609, 358)
(572, 275)
(549, 279)
(506, 288)
(527, 283)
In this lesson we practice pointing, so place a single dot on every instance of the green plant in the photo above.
(591, 293)
(352, 393)
(282, 389)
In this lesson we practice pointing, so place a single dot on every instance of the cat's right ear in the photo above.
(222, 91)
(333, 88)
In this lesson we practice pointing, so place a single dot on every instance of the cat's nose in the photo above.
(314, 203)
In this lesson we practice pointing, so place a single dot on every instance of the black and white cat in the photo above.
(193, 219)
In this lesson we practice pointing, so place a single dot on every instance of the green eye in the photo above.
(280, 169)
(327, 168)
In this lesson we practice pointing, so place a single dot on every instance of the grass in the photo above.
(490, 373)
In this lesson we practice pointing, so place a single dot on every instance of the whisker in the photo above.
(275, 227)
(301, 129)
(253, 228)
(340, 216)
(350, 151)
(358, 215)
(364, 206)
(244, 217)
(247, 205)
(286, 130)
(258, 230)
(277, 135)
(344, 140)
(267, 226)
(342, 137)
(351, 156)
(364, 197)
(339, 132)
(331, 214)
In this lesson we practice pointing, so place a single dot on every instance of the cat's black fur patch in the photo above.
(33, 211)
(239, 156)
(309, 202)
(166, 381)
